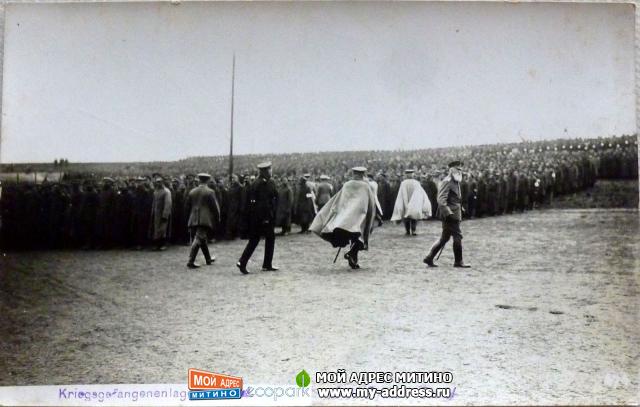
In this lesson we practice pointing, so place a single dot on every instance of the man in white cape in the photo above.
(348, 217)
(412, 203)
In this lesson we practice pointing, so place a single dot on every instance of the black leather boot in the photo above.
(207, 255)
(457, 254)
(192, 256)
(432, 254)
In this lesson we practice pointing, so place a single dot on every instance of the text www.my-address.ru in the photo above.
(396, 391)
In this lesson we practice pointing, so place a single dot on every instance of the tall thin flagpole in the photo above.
(233, 79)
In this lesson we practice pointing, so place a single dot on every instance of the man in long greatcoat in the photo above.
(161, 209)
(304, 205)
(285, 206)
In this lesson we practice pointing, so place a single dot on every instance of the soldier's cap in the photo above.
(409, 171)
(108, 179)
(203, 176)
(141, 179)
(264, 165)
(156, 175)
(359, 169)
(323, 176)
(456, 164)
(307, 175)
(158, 179)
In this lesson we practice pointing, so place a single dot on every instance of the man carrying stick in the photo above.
(348, 218)
(450, 211)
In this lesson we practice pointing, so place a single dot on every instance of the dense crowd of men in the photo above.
(115, 211)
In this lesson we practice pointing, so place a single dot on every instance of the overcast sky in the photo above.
(145, 81)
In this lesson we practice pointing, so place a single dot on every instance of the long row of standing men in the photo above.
(139, 212)
(130, 213)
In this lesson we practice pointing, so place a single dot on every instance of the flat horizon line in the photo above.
(226, 156)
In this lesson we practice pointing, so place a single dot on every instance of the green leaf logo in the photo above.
(303, 379)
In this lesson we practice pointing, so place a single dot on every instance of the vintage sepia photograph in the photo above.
(319, 203)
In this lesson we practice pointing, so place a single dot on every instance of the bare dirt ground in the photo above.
(548, 314)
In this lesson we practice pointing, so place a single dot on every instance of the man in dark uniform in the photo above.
(492, 195)
(523, 192)
(141, 212)
(44, 201)
(432, 190)
(513, 192)
(178, 220)
(464, 191)
(535, 190)
(549, 177)
(285, 206)
(234, 199)
(472, 199)
(506, 192)
(243, 228)
(450, 211)
(221, 192)
(395, 187)
(190, 183)
(73, 190)
(88, 214)
(262, 201)
(59, 203)
(204, 213)
(498, 196)
(9, 217)
(29, 208)
(325, 191)
(305, 205)
(124, 205)
(106, 215)
(481, 196)
(384, 196)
